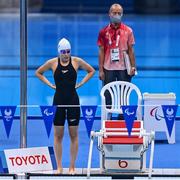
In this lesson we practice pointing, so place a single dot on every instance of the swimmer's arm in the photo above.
(87, 67)
(40, 71)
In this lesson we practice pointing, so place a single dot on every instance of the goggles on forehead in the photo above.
(67, 51)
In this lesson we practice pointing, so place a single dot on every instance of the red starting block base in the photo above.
(122, 153)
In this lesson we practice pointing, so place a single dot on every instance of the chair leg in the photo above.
(90, 157)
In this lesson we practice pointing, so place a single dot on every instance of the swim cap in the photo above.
(63, 45)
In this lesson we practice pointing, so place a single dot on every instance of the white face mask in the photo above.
(116, 18)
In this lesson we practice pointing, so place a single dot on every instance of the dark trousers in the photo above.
(115, 75)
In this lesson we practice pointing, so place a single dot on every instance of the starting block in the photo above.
(120, 152)
(123, 152)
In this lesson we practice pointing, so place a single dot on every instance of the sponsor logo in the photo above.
(64, 71)
(47, 113)
(128, 113)
(89, 114)
(170, 114)
(28, 160)
(156, 114)
(122, 164)
(7, 114)
(72, 120)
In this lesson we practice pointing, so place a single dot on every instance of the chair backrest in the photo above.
(119, 92)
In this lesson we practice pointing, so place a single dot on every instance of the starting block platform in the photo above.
(81, 173)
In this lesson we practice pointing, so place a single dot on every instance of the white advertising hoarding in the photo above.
(28, 160)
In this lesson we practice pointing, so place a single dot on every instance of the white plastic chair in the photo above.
(113, 134)
(120, 92)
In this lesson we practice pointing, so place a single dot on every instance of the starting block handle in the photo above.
(151, 159)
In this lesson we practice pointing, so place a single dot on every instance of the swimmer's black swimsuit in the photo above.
(65, 80)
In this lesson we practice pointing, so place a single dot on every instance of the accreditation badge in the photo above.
(114, 54)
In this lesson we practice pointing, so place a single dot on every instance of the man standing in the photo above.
(115, 41)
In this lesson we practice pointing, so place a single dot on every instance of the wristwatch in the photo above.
(133, 68)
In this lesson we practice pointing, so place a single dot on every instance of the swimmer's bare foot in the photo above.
(59, 171)
(72, 171)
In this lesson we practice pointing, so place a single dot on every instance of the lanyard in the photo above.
(117, 38)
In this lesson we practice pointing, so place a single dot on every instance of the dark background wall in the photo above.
(157, 6)
(85, 6)
(102, 6)
(94, 6)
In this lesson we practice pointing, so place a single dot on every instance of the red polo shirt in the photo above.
(111, 38)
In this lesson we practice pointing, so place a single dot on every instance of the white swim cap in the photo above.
(63, 45)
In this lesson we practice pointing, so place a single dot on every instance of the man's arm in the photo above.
(132, 59)
(101, 62)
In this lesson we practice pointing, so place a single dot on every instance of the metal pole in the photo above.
(23, 73)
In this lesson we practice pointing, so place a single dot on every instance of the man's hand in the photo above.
(133, 71)
(101, 75)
